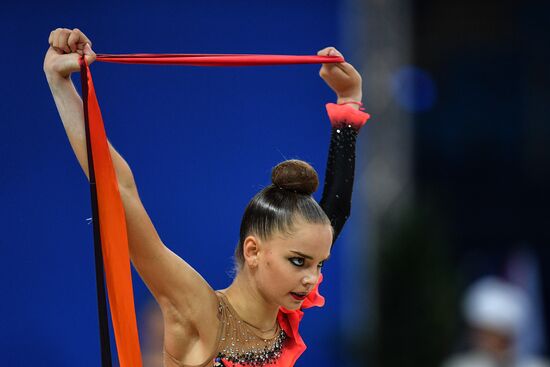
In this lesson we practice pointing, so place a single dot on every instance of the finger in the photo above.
(89, 54)
(332, 67)
(50, 38)
(334, 52)
(329, 51)
(81, 39)
(83, 43)
(348, 68)
(325, 51)
(73, 40)
(61, 40)
(55, 36)
(327, 70)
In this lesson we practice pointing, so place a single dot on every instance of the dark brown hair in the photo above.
(277, 207)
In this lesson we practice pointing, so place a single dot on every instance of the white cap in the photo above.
(497, 305)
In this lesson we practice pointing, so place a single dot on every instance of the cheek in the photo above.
(277, 273)
(273, 270)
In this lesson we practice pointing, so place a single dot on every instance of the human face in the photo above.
(290, 265)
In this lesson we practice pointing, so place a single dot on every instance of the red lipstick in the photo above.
(297, 296)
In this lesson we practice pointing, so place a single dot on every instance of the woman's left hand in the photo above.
(342, 78)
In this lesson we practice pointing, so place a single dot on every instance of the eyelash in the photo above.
(303, 262)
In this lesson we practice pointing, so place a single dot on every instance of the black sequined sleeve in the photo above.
(336, 199)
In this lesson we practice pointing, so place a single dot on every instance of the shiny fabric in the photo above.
(340, 169)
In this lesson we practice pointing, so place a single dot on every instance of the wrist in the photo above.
(55, 78)
(349, 114)
(59, 83)
(347, 100)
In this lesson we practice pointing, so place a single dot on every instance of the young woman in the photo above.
(285, 235)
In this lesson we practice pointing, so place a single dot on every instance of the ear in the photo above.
(251, 250)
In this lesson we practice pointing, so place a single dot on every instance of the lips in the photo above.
(298, 296)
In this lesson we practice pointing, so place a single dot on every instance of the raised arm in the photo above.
(171, 280)
(346, 120)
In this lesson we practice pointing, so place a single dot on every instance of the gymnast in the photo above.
(285, 235)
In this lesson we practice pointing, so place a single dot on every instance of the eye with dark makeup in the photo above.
(300, 261)
(297, 261)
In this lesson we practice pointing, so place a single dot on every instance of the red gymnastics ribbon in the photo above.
(217, 59)
(110, 236)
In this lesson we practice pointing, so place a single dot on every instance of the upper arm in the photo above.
(180, 290)
(172, 281)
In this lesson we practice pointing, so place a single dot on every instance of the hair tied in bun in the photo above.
(295, 175)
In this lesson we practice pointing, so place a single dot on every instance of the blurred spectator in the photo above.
(152, 335)
(495, 311)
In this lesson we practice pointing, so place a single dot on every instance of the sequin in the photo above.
(259, 355)
(336, 201)
(241, 342)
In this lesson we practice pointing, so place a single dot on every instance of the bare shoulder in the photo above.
(189, 299)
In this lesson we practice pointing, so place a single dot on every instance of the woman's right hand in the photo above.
(66, 48)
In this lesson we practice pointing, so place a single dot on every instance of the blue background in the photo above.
(201, 142)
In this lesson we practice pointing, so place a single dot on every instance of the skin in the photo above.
(269, 273)
(496, 343)
(275, 267)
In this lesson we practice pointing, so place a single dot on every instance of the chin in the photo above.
(291, 304)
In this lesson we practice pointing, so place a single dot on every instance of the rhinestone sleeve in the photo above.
(339, 175)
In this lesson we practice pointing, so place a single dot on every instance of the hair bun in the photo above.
(295, 175)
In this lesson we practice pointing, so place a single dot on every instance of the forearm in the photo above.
(339, 177)
(340, 170)
(346, 119)
(146, 249)
(70, 108)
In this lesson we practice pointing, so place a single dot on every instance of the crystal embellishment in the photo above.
(256, 357)
(242, 343)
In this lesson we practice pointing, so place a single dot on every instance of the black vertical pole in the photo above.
(106, 360)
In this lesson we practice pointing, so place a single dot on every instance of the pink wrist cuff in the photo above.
(341, 115)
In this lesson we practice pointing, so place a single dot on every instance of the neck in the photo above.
(251, 306)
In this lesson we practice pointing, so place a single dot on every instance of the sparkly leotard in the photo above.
(239, 344)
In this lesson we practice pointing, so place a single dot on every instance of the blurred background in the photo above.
(442, 261)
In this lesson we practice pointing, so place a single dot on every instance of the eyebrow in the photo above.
(307, 256)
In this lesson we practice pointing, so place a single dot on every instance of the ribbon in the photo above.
(216, 59)
(110, 236)
(108, 217)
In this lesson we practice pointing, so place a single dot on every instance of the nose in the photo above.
(310, 279)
